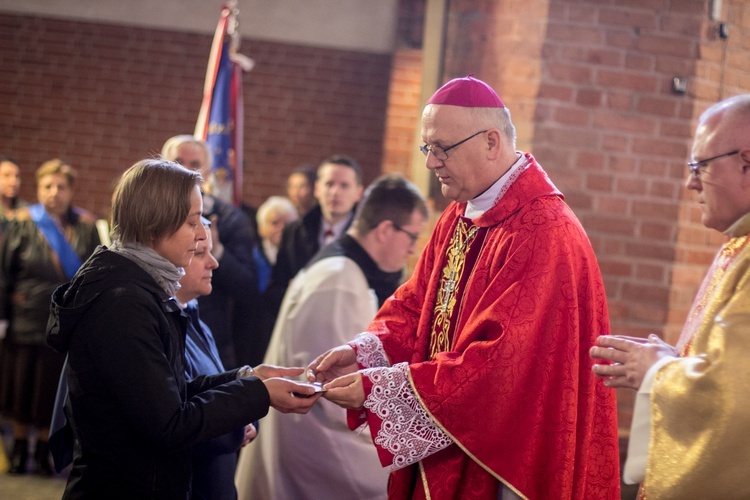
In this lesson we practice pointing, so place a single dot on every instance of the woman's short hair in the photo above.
(151, 201)
(275, 205)
(56, 166)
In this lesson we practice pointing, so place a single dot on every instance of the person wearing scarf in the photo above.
(134, 415)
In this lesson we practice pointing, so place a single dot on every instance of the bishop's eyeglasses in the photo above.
(696, 166)
(442, 153)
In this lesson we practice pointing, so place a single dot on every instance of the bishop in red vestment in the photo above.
(474, 377)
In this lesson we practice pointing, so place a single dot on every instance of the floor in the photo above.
(34, 487)
(27, 486)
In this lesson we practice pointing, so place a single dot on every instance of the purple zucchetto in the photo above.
(467, 92)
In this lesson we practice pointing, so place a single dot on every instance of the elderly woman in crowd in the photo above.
(272, 216)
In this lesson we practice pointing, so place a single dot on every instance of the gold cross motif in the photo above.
(448, 288)
(446, 299)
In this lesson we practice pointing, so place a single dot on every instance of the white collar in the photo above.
(488, 199)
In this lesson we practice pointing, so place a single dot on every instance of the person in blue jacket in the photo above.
(215, 460)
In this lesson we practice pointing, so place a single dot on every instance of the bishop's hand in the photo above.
(334, 363)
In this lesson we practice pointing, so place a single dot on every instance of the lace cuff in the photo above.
(369, 349)
(407, 432)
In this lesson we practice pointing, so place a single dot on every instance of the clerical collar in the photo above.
(488, 199)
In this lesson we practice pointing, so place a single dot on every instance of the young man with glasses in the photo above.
(474, 377)
(336, 294)
(691, 413)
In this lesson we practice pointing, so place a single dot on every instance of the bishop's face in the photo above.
(465, 174)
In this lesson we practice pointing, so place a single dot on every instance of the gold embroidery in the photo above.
(698, 319)
(446, 299)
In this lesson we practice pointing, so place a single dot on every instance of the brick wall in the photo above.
(589, 84)
(403, 111)
(103, 96)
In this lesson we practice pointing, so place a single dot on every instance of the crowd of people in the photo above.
(144, 355)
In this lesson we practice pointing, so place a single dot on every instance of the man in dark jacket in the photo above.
(338, 188)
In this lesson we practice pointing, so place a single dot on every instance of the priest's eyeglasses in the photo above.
(412, 236)
(696, 166)
(442, 153)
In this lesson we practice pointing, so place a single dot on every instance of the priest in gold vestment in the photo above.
(692, 412)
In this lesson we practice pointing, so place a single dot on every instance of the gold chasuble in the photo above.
(700, 409)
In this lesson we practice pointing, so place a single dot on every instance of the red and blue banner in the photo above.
(220, 121)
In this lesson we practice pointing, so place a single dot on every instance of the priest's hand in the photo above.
(288, 396)
(625, 360)
(334, 363)
(346, 391)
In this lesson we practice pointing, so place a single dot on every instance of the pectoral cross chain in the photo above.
(448, 288)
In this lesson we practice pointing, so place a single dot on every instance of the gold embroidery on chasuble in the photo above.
(454, 275)
(706, 302)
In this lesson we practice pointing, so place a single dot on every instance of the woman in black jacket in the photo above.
(133, 413)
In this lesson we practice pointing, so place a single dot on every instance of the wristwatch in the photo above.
(245, 371)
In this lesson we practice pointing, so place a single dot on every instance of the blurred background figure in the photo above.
(339, 292)
(42, 248)
(300, 186)
(10, 184)
(275, 213)
(228, 311)
(215, 460)
(338, 188)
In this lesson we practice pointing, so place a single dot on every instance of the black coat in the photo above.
(299, 242)
(29, 275)
(134, 416)
(228, 310)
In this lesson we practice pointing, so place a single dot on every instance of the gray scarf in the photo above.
(166, 274)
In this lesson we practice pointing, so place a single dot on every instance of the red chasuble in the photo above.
(497, 354)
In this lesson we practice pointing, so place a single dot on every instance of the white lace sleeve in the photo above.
(370, 352)
(407, 432)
